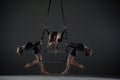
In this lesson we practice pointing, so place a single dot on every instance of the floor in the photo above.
(54, 78)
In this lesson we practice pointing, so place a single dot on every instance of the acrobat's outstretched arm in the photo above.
(64, 34)
(43, 33)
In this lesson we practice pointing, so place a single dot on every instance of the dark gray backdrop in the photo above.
(93, 22)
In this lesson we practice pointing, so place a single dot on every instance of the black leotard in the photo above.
(34, 46)
(76, 47)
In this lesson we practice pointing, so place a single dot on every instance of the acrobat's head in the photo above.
(20, 50)
(54, 38)
(88, 51)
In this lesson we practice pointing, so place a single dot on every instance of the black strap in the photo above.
(61, 10)
(49, 8)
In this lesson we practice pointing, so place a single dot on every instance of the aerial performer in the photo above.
(54, 38)
(35, 47)
(70, 59)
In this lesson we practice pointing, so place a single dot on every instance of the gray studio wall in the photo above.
(93, 22)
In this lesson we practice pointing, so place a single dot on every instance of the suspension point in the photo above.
(45, 26)
(64, 27)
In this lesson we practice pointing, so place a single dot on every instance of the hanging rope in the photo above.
(49, 8)
(61, 10)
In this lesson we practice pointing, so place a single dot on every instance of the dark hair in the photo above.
(88, 52)
(60, 40)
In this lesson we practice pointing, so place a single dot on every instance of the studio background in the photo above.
(95, 22)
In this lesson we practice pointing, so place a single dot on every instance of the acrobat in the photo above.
(54, 38)
(34, 47)
(70, 59)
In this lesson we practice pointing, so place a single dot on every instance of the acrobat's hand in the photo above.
(49, 44)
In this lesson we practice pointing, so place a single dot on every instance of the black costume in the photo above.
(34, 46)
(75, 47)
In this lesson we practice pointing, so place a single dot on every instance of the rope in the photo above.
(49, 8)
(61, 10)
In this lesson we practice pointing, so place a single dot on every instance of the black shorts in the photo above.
(36, 50)
(73, 52)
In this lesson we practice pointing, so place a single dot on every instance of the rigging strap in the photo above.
(49, 8)
(61, 10)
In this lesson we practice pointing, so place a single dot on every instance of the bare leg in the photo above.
(39, 62)
(77, 64)
(68, 65)
(39, 58)
(49, 43)
(31, 64)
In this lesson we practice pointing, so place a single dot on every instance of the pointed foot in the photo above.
(64, 72)
(27, 65)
